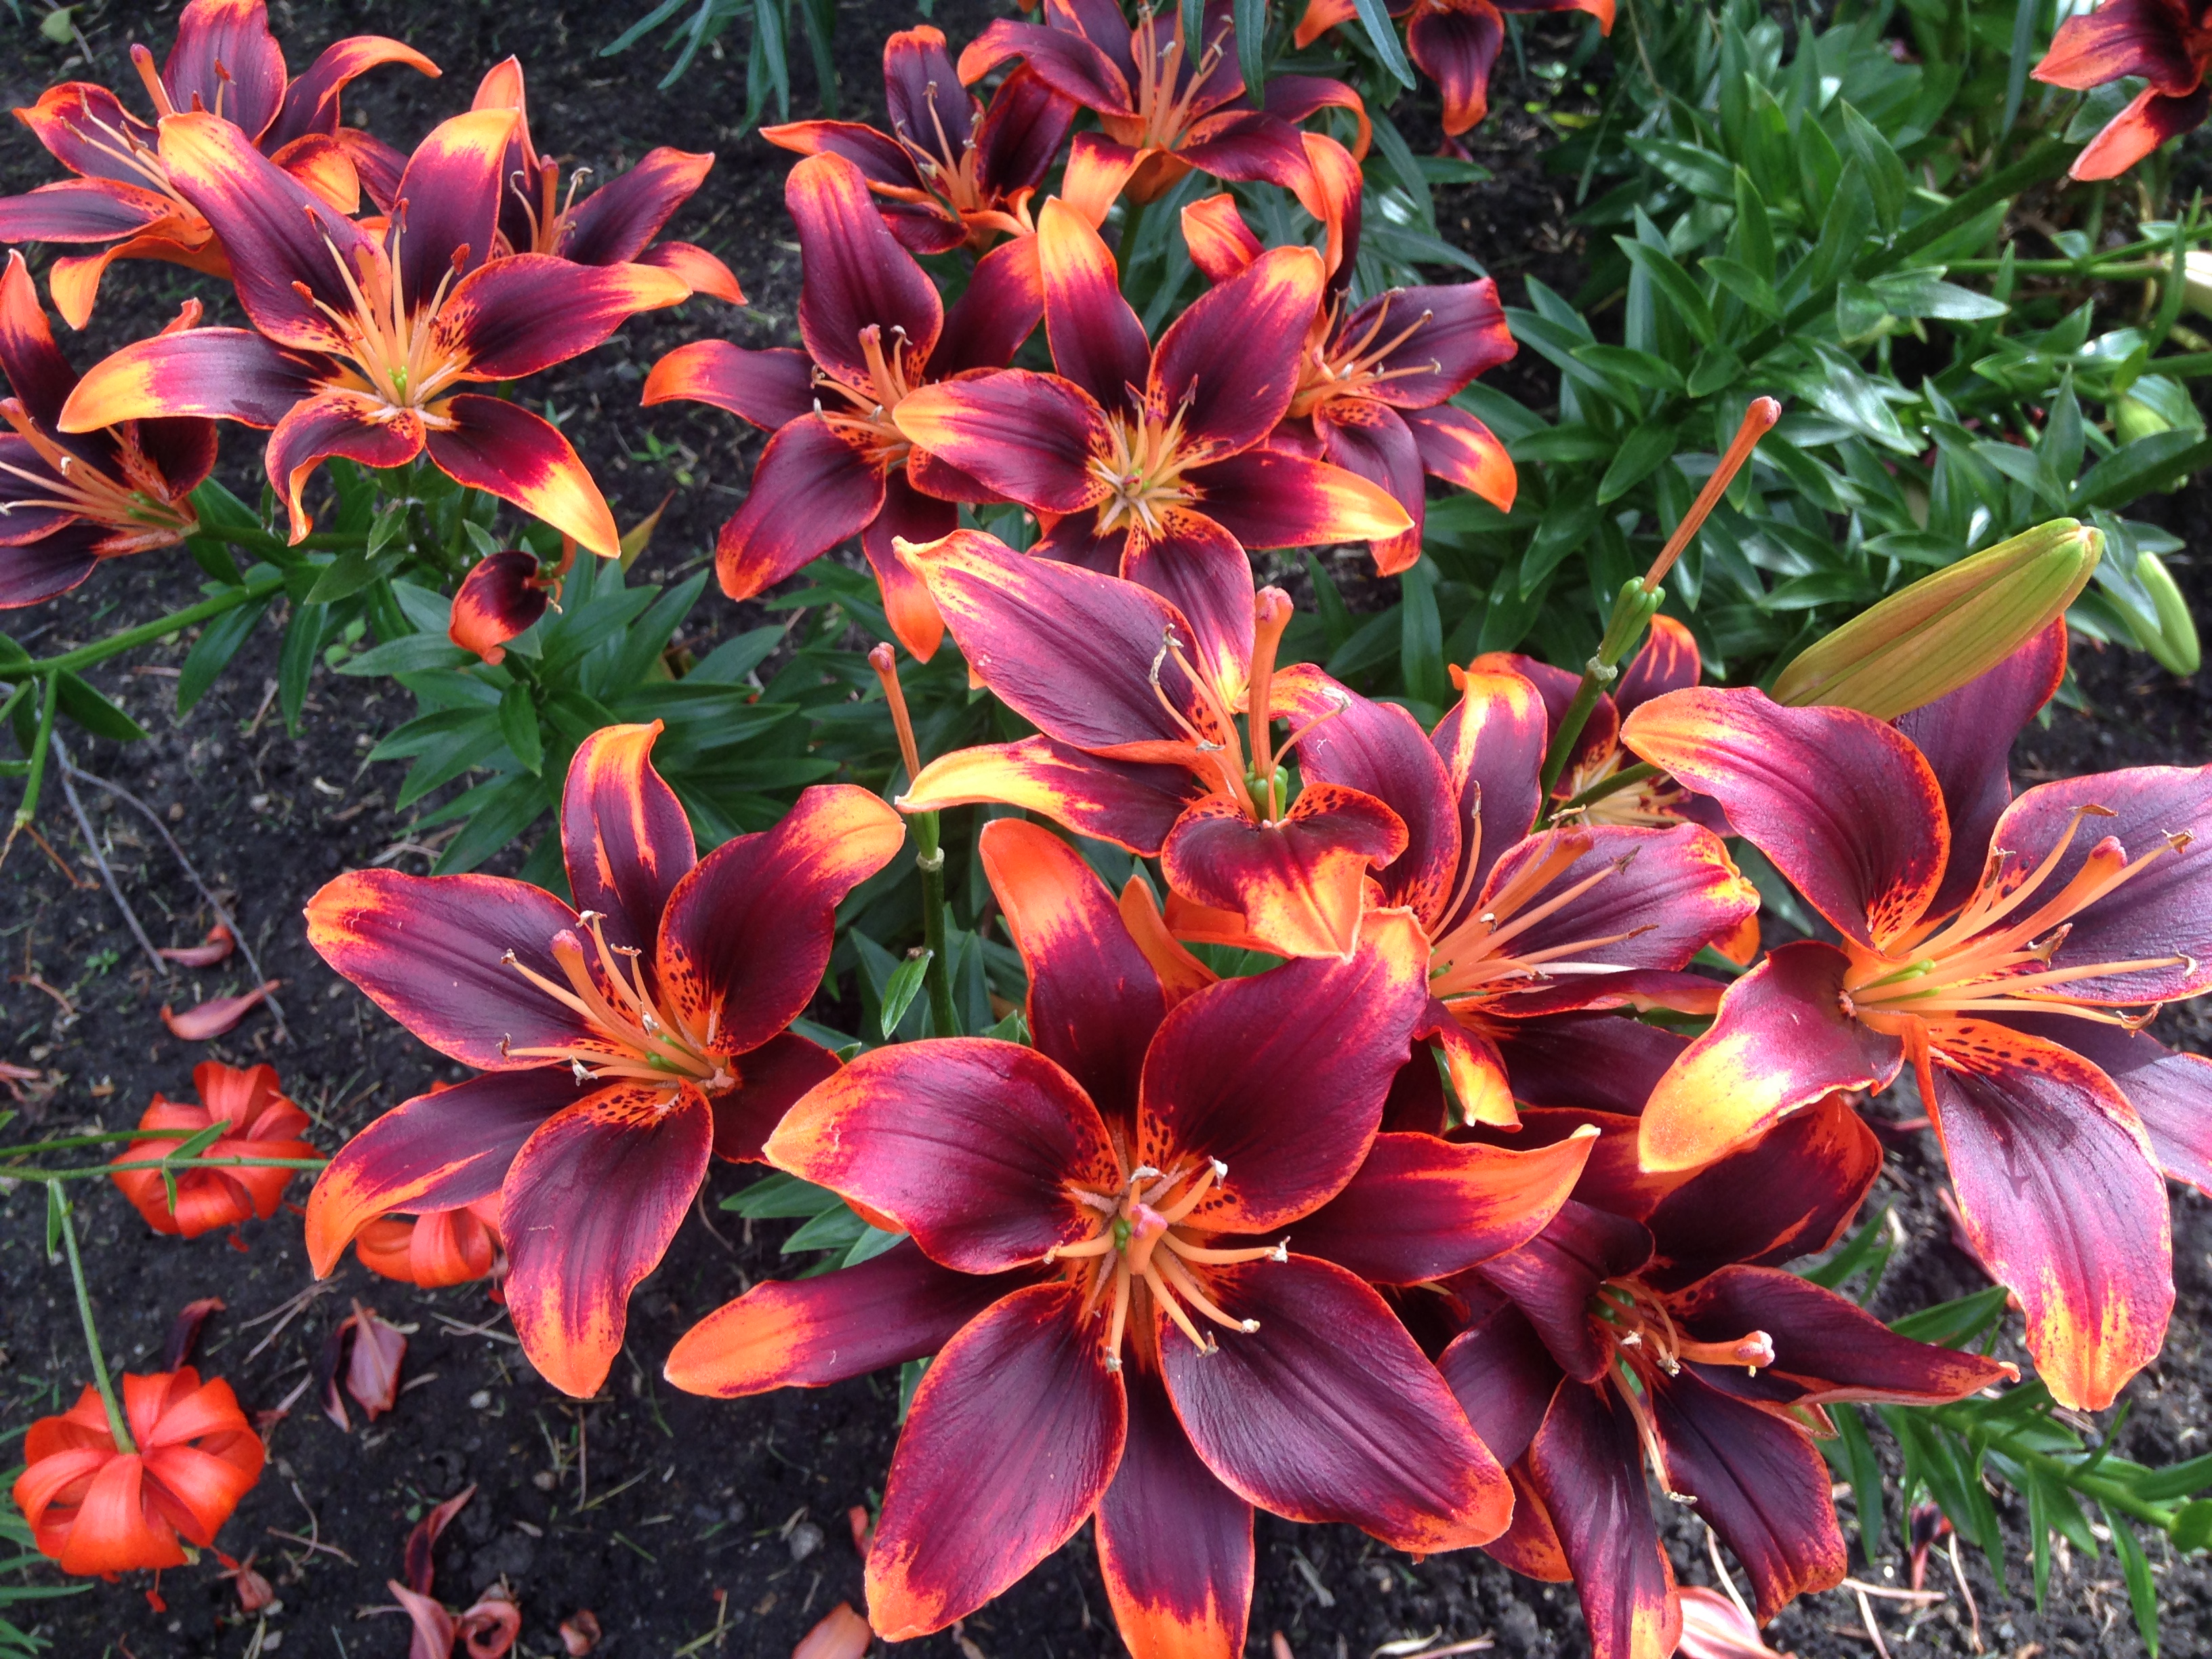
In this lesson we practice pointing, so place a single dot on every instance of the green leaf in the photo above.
(1747, 284)
(833, 1230)
(295, 662)
(1642, 452)
(411, 653)
(212, 652)
(1251, 18)
(1923, 293)
(899, 992)
(2192, 1526)
(1751, 240)
(2142, 1594)
(1383, 35)
(93, 712)
(2176, 1480)
(1641, 368)
(1697, 171)
(730, 662)
(503, 811)
(1864, 1250)
(1674, 283)
(1955, 1324)
(779, 1196)
(1421, 647)
(1879, 164)
(1335, 620)
(1843, 231)
(2136, 468)
(1863, 1470)
(517, 724)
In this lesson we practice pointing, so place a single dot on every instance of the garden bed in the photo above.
(669, 1516)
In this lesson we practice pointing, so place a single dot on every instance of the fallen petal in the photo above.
(218, 945)
(844, 1635)
(185, 1333)
(213, 1017)
(1714, 1627)
(424, 1537)
(579, 1633)
(490, 1627)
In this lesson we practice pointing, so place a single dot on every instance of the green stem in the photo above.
(929, 858)
(1571, 723)
(1634, 607)
(117, 1424)
(1627, 777)
(100, 1171)
(2115, 1494)
(29, 809)
(70, 1143)
(260, 584)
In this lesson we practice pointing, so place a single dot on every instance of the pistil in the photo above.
(868, 408)
(1143, 466)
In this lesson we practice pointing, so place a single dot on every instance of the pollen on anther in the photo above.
(1220, 1170)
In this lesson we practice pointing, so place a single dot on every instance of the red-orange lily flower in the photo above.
(619, 1044)
(1652, 1326)
(2167, 42)
(68, 501)
(95, 1508)
(1375, 383)
(361, 343)
(260, 1122)
(1098, 1260)
(949, 171)
(1153, 462)
(1164, 100)
(875, 333)
(436, 1248)
(1453, 42)
(1137, 711)
(615, 224)
(226, 62)
(1993, 944)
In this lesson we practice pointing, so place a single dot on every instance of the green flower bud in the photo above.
(1929, 639)
(2174, 644)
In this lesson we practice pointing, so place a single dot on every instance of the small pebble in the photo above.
(480, 1400)
(806, 1539)
(544, 1480)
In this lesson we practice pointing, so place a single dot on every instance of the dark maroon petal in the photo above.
(518, 455)
(527, 312)
(612, 225)
(1021, 132)
(1231, 360)
(1328, 1412)
(2123, 38)
(812, 488)
(1197, 567)
(1282, 1077)
(1029, 436)
(226, 60)
(436, 1152)
(1601, 1062)
(1271, 498)
(1421, 1208)
(1175, 1544)
(770, 1080)
(809, 1332)
(311, 103)
(1457, 333)
(76, 121)
(1967, 738)
(1132, 804)
(1379, 749)
(427, 950)
(1095, 1000)
(745, 936)
(1071, 64)
(1456, 49)
(768, 388)
(1493, 742)
(880, 157)
(332, 425)
(447, 209)
(1668, 661)
(2164, 910)
(1250, 147)
(923, 94)
(37, 374)
(225, 374)
(1789, 1193)
(996, 312)
(1504, 1378)
(501, 597)
(907, 515)
(588, 1209)
(1015, 1433)
(2169, 1091)
(624, 839)
(857, 275)
(1552, 1277)
(1669, 892)
(58, 562)
(1372, 439)
(1097, 341)
(81, 210)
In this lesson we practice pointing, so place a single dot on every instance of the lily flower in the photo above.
(361, 343)
(225, 61)
(68, 501)
(503, 595)
(1529, 930)
(1376, 381)
(1454, 42)
(619, 1043)
(1153, 462)
(1651, 1326)
(1978, 937)
(950, 171)
(1165, 100)
(434, 1248)
(2167, 42)
(95, 1508)
(258, 1122)
(615, 224)
(875, 332)
(1139, 744)
(1101, 1257)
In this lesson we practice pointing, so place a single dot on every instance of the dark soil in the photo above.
(660, 1512)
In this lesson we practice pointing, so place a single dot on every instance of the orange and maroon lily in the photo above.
(1153, 462)
(615, 224)
(950, 171)
(1374, 384)
(1530, 931)
(1171, 104)
(619, 1044)
(875, 332)
(2168, 42)
(258, 1122)
(361, 343)
(1139, 744)
(225, 61)
(1993, 946)
(1453, 42)
(95, 1508)
(503, 595)
(1651, 1326)
(1098, 1260)
(68, 501)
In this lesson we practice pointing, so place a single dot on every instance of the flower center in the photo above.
(1143, 465)
(1140, 1250)
(1164, 110)
(141, 501)
(1654, 804)
(868, 406)
(404, 358)
(634, 1040)
(1991, 957)
(1478, 958)
(549, 212)
(1347, 368)
(1633, 1320)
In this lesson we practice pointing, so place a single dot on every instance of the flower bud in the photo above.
(2174, 644)
(1927, 640)
(2196, 281)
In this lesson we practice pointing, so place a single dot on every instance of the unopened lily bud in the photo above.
(1929, 639)
(2174, 644)
(2196, 281)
